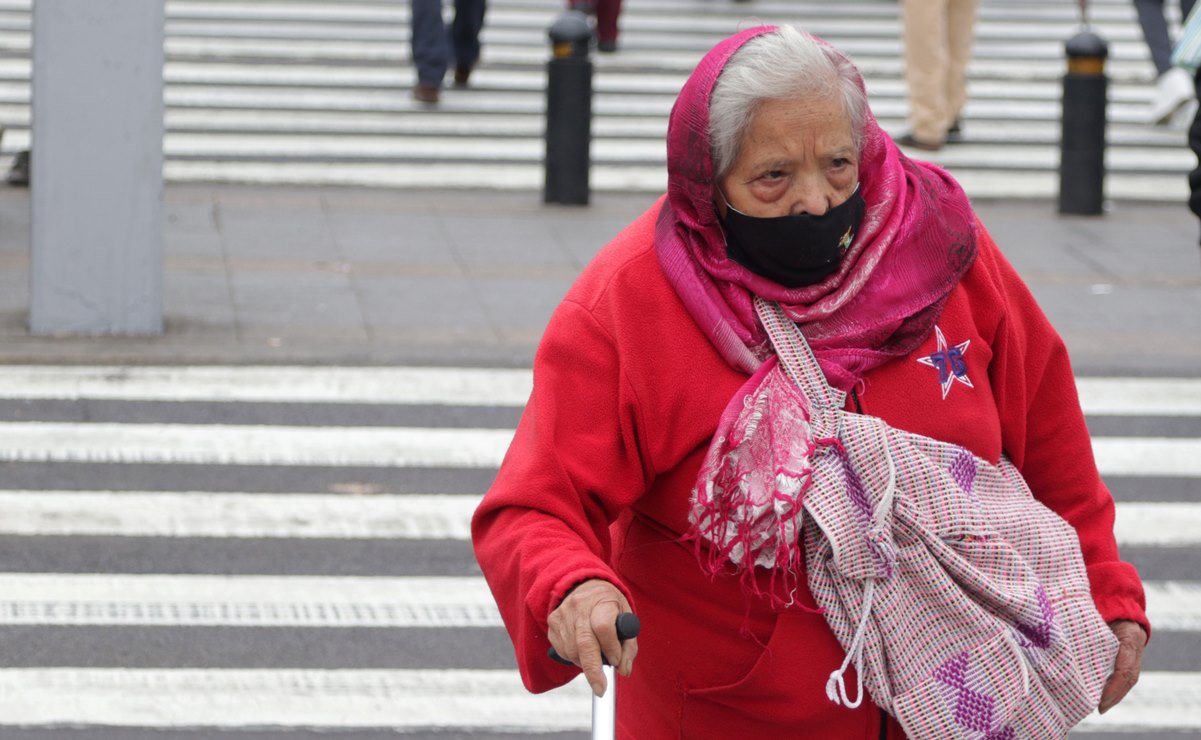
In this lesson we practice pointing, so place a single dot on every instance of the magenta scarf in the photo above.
(918, 238)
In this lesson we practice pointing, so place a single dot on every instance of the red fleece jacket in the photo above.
(627, 394)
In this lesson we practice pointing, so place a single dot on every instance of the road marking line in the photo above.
(379, 516)
(409, 385)
(1140, 396)
(1164, 524)
(1174, 605)
(442, 385)
(404, 699)
(1161, 700)
(229, 698)
(195, 514)
(245, 601)
(332, 601)
(217, 444)
(1150, 456)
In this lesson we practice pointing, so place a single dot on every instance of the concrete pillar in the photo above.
(96, 167)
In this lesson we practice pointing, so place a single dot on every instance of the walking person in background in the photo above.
(938, 37)
(434, 48)
(607, 12)
(1174, 86)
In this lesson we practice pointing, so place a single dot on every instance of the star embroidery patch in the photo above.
(949, 363)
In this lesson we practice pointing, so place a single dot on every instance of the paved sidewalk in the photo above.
(355, 276)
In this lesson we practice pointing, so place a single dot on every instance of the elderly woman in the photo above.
(781, 187)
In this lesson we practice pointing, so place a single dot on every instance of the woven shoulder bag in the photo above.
(962, 601)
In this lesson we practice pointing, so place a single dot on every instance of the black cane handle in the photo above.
(628, 628)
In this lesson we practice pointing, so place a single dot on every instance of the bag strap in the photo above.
(796, 357)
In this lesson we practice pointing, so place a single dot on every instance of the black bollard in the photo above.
(568, 110)
(1082, 148)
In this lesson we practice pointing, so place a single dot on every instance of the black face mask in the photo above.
(793, 250)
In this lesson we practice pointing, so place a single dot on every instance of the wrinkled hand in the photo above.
(584, 627)
(1131, 640)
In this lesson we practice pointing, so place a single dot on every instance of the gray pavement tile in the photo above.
(14, 326)
(189, 217)
(292, 233)
(522, 306)
(14, 220)
(1146, 353)
(583, 239)
(485, 241)
(14, 285)
(204, 244)
(254, 198)
(436, 304)
(416, 238)
(199, 299)
(321, 339)
(274, 302)
(443, 341)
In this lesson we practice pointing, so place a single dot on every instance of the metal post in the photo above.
(96, 180)
(1082, 147)
(568, 110)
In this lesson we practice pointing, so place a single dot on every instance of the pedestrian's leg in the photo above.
(926, 58)
(1173, 86)
(465, 36)
(961, 31)
(1194, 143)
(428, 36)
(1155, 32)
(607, 12)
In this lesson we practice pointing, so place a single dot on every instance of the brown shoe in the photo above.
(427, 94)
(926, 146)
(462, 73)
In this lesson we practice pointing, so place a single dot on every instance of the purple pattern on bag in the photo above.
(855, 489)
(878, 542)
(1039, 635)
(963, 470)
(973, 709)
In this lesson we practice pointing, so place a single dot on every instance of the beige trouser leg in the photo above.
(938, 45)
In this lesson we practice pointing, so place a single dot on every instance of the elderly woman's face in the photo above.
(797, 156)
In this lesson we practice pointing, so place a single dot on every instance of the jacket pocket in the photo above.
(783, 694)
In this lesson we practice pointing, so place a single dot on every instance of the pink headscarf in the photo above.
(917, 239)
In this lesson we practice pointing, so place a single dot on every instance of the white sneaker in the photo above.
(1174, 89)
(1182, 119)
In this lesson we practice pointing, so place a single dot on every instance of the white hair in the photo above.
(784, 64)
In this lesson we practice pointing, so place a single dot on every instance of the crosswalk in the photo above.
(310, 92)
(286, 550)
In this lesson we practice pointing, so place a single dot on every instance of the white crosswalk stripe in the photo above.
(303, 92)
(413, 516)
(400, 699)
(444, 386)
(327, 601)
(260, 445)
(166, 692)
(404, 447)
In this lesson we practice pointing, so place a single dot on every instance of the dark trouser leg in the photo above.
(1194, 143)
(1155, 33)
(428, 35)
(465, 31)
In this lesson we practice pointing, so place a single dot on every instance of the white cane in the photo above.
(604, 708)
